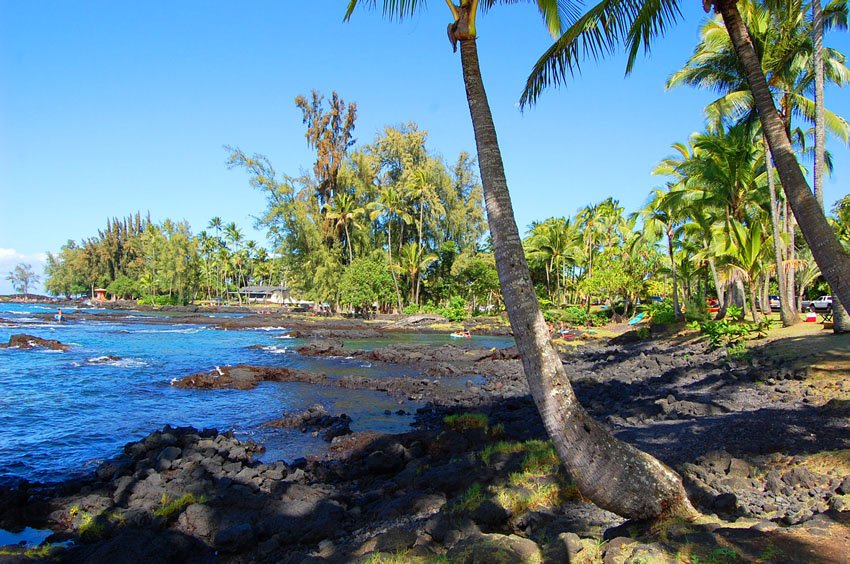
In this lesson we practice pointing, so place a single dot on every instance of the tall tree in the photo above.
(330, 134)
(22, 277)
(613, 474)
(637, 23)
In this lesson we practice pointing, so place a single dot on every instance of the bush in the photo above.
(695, 309)
(165, 300)
(455, 310)
(575, 316)
(662, 313)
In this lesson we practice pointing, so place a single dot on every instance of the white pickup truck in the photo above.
(823, 303)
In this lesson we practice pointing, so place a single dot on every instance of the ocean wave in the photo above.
(270, 328)
(276, 350)
(188, 330)
(116, 361)
(286, 336)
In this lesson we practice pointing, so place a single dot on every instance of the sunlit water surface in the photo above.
(61, 413)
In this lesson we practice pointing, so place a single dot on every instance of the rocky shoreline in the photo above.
(762, 444)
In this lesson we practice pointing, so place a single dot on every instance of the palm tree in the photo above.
(555, 243)
(659, 215)
(391, 204)
(412, 261)
(345, 212)
(746, 251)
(636, 23)
(234, 236)
(616, 476)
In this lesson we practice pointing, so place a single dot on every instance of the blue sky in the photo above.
(111, 107)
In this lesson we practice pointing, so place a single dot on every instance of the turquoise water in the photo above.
(61, 413)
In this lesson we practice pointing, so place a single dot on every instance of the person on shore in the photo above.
(59, 317)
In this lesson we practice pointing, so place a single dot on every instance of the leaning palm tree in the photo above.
(613, 474)
(637, 23)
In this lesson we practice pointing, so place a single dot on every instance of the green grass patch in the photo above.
(169, 508)
(471, 499)
(463, 421)
(510, 447)
(402, 557)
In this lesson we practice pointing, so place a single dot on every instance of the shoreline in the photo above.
(736, 431)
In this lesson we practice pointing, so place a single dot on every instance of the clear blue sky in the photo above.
(111, 107)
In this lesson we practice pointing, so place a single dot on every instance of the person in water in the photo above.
(59, 316)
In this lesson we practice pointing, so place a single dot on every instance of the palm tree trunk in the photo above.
(677, 310)
(392, 270)
(820, 128)
(834, 263)
(787, 313)
(613, 474)
(791, 272)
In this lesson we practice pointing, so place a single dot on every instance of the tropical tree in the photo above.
(659, 216)
(412, 261)
(22, 277)
(616, 476)
(637, 23)
(345, 212)
(390, 204)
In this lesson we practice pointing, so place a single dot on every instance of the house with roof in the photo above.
(264, 294)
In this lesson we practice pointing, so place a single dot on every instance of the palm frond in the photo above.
(596, 34)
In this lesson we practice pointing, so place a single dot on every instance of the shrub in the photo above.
(662, 313)
(575, 316)
(455, 310)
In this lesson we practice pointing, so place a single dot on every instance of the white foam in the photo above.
(117, 362)
(276, 350)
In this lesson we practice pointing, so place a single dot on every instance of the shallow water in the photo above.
(61, 413)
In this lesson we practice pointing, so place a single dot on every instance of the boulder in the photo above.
(494, 548)
(25, 342)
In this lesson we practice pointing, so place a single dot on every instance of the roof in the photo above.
(262, 289)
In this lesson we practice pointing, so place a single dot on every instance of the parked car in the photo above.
(775, 304)
(823, 303)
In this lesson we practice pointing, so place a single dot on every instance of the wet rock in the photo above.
(25, 342)
(322, 347)
(244, 377)
(316, 419)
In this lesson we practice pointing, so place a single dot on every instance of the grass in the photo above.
(402, 557)
(540, 482)
(169, 508)
(471, 499)
(40, 552)
(720, 555)
(510, 447)
(463, 421)
(828, 462)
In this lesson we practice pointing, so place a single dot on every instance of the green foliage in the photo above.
(366, 281)
(163, 300)
(123, 287)
(170, 508)
(661, 313)
(735, 312)
(462, 421)
(575, 316)
(470, 500)
(695, 309)
(455, 310)
(731, 334)
(22, 278)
